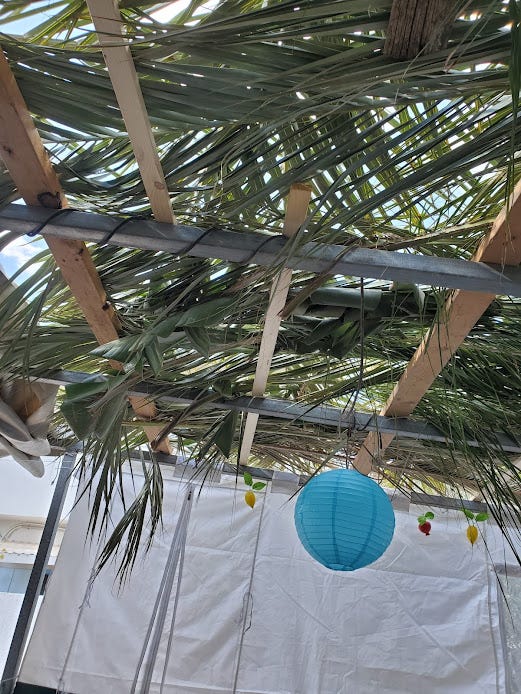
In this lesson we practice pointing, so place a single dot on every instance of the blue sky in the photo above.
(18, 253)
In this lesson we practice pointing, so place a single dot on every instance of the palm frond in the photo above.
(246, 98)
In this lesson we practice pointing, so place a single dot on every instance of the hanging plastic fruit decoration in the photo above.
(424, 525)
(472, 534)
(472, 530)
(250, 497)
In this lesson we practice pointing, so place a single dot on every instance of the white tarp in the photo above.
(422, 619)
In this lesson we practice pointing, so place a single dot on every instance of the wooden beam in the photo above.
(462, 310)
(418, 26)
(33, 174)
(296, 212)
(109, 25)
(27, 161)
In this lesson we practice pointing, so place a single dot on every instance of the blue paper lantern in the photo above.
(344, 519)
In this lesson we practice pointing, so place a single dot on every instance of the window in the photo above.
(15, 580)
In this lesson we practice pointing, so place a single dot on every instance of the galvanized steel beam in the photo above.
(322, 415)
(261, 249)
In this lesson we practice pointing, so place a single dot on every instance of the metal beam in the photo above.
(433, 501)
(321, 415)
(266, 474)
(260, 249)
(23, 625)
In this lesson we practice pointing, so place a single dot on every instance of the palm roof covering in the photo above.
(246, 98)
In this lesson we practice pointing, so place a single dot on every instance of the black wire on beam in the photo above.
(261, 249)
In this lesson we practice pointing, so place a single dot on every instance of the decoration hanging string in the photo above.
(60, 687)
(248, 599)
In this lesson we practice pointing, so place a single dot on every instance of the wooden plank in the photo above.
(418, 26)
(118, 58)
(296, 212)
(502, 245)
(27, 161)
(30, 168)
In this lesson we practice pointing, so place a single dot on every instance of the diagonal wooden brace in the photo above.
(27, 161)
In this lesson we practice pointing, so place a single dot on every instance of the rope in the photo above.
(157, 619)
(84, 604)
(248, 599)
(174, 613)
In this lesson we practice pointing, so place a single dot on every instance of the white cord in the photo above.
(157, 619)
(248, 599)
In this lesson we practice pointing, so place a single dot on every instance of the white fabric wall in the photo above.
(10, 604)
(422, 619)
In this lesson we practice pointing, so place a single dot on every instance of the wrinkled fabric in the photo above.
(27, 442)
(256, 610)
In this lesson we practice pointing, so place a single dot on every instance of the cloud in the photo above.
(17, 253)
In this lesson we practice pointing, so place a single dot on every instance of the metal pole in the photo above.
(300, 480)
(34, 586)
(262, 249)
(321, 415)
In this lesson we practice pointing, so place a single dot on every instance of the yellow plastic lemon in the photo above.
(249, 498)
(472, 534)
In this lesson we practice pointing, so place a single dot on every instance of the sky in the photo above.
(19, 252)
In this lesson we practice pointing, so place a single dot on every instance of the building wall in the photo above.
(24, 503)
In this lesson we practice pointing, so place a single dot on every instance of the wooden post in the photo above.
(28, 164)
(296, 212)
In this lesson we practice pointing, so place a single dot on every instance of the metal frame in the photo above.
(261, 249)
(269, 475)
(321, 415)
(34, 586)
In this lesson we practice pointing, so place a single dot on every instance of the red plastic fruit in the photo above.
(425, 528)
